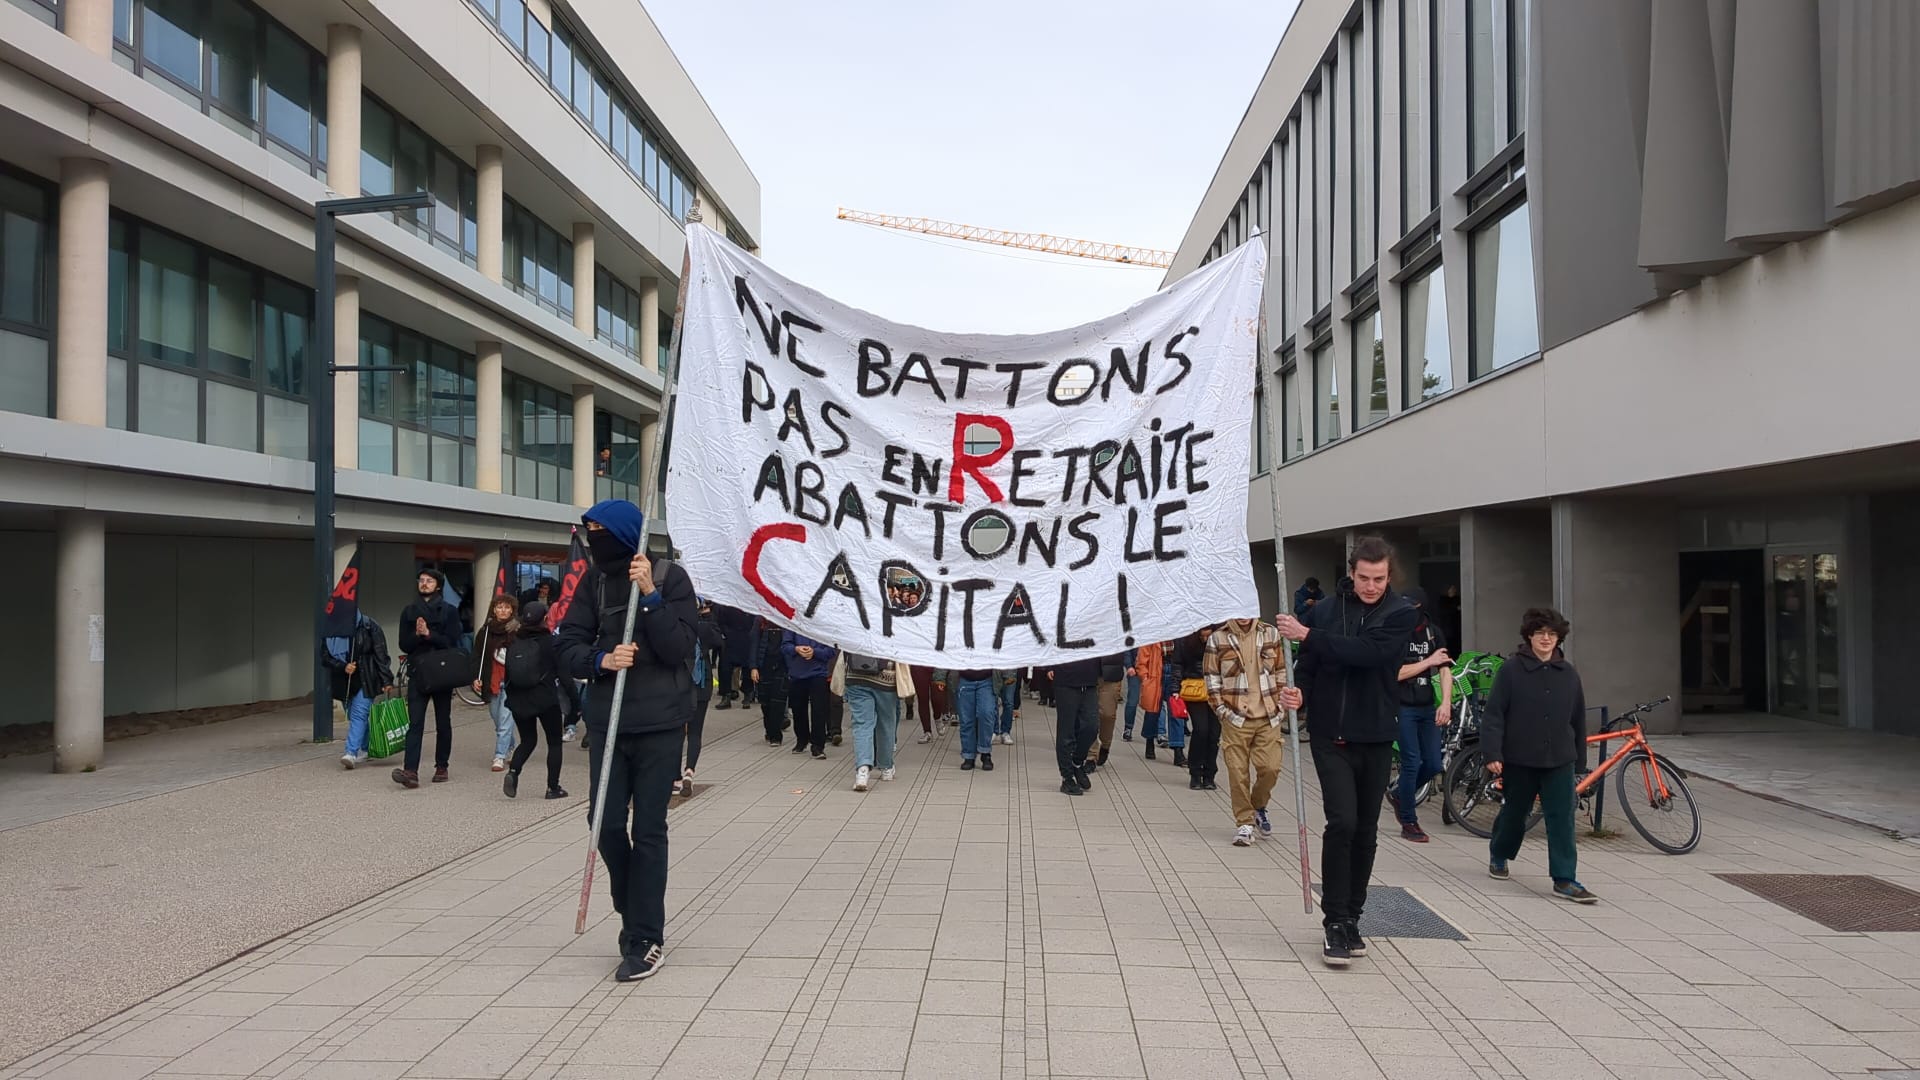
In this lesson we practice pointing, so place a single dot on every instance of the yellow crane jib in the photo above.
(1026, 241)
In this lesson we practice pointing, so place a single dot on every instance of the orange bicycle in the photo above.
(1652, 792)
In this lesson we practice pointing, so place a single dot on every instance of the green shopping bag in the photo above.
(387, 728)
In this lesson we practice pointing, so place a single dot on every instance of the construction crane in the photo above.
(1028, 241)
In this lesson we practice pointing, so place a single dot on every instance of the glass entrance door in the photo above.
(1804, 632)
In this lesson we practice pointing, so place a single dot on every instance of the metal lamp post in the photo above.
(323, 449)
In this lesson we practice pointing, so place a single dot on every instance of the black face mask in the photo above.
(609, 553)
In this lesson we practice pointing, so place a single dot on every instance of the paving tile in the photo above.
(396, 1040)
(240, 1052)
(475, 1054)
(169, 1036)
(105, 1067)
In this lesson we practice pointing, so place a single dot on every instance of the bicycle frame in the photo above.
(1635, 740)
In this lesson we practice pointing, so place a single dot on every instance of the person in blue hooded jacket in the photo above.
(657, 703)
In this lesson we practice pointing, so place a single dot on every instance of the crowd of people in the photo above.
(1370, 677)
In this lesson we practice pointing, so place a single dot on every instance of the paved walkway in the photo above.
(978, 925)
(1861, 776)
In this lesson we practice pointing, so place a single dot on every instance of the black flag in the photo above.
(577, 563)
(504, 576)
(343, 605)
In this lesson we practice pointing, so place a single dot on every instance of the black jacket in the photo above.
(373, 669)
(659, 691)
(737, 627)
(443, 626)
(1084, 674)
(711, 632)
(534, 700)
(1536, 714)
(1349, 666)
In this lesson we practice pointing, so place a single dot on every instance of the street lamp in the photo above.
(324, 213)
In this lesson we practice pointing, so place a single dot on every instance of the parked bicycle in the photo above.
(1472, 677)
(1652, 791)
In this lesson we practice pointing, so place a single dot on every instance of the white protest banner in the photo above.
(965, 500)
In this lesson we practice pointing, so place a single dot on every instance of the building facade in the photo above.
(1601, 305)
(159, 163)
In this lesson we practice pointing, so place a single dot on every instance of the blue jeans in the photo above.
(359, 711)
(876, 724)
(1176, 729)
(1009, 701)
(502, 724)
(976, 717)
(1419, 756)
(1153, 722)
(1132, 704)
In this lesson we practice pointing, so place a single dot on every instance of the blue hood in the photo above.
(619, 517)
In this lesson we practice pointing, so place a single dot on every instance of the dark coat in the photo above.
(1536, 714)
(534, 700)
(444, 629)
(1348, 669)
(737, 628)
(659, 686)
(373, 668)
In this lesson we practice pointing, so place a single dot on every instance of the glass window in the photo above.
(376, 446)
(1369, 370)
(230, 319)
(1326, 397)
(563, 269)
(119, 276)
(417, 421)
(1482, 138)
(1260, 420)
(411, 385)
(233, 416)
(1516, 67)
(284, 430)
(123, 21)
(1292, 440)
(1362, 149)
(286, 323)
(376, 148)
(1504, 326)
(170, 37)
(1419, 174)
(169, 403)
(410, 172)
(582, 84)
(1289, 228)
(650, 166)
(513, 22)
(602, 111)
(562, 74)
(24, 235)
(1429, 355)
(168, 297)
(117, 393)
(289, 90)
(234, 52)
(547, 254)
(23, 374)
(538, 48)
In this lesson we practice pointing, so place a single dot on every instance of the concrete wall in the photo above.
(1616, 575)
(1506, 567)
(1895, 585)
(26, 640)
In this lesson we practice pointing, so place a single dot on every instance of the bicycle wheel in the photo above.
(1473, 797)
(1670, 823)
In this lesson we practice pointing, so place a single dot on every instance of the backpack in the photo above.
(866, 667)
(526, 668)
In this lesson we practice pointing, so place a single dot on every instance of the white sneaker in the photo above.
(886, 774)
(499, 764)
(348, 761)
(860, 777)
(570, 734)
(926, 737)
(1243, 836)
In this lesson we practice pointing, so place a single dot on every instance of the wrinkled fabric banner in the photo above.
(965, 500)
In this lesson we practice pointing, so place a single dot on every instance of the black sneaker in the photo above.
(1209, 785)
(1193, 783)
(556, 793)
(1105, 752)
(1150, 754)
(819, 755)
(966, 764)
(1356, 945)
(1081, 778)
(1179, 759)
(511, 785)
(1090, 766)
(1069, 787)
(799, 748)
(641, 962)
(986, 762)
(1335, 953)
(1127, 735)
(725, 703)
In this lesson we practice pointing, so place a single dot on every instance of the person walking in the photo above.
(873, 688)
(1203, 741)
(1148, 663)
(923, 683)
(1534, 738)
(1306, 597)
(736, 655)
(769, 678)
(361, 671)
(974, 689)
(1077, 720)
(490, 681)
(532, 688)
(1006, 689)
(1349, 673)
(809, 671)
(644, 757)
(1421, 719)
(1173, 726)
(1245, 672)
(1131, 704)
(428, 625)
(1111, 691)
(708, 633)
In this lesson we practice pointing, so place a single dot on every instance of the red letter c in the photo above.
(750, 562)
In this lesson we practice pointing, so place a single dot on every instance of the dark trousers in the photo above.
(530, 726)
(1554, 788)
(923, 696)
(417, 700)
(808, 698)
(1203, 741)
(836, 714)
(1353, 781)
(570, 698)
(727, 673)
(773, 708)
(697, 725)
(644, 768)
(1076, 726)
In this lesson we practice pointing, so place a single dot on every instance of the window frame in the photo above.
(431, 352)
(45, 272)
(1412, 396)
(424, 222)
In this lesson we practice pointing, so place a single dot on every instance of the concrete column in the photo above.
(489, 379)
(583, 302)
(583, 448)
(1506, 567)
(90, 22)
(650, 323)
(80, 349)
(486, 568)
(490, 191)
(343, 109)
(79, 640)
(649, 432)
(346, 385)
(1616, 575)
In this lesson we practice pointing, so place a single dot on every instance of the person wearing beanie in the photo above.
(532, 689)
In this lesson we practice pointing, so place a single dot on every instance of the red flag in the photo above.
(577, 564)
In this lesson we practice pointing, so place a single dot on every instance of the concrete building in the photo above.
(159, 161)
(1602, 305)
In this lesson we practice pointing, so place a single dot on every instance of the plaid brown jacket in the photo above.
(1230, 689)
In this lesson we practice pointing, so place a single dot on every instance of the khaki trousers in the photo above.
(1110, 695)
(1255, 743)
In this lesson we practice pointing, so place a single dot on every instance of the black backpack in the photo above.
(526, 667)
(867, 667)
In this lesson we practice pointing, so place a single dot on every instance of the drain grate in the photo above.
(1848, 902)
(1393, 912)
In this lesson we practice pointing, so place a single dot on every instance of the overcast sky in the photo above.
(1099, 121)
